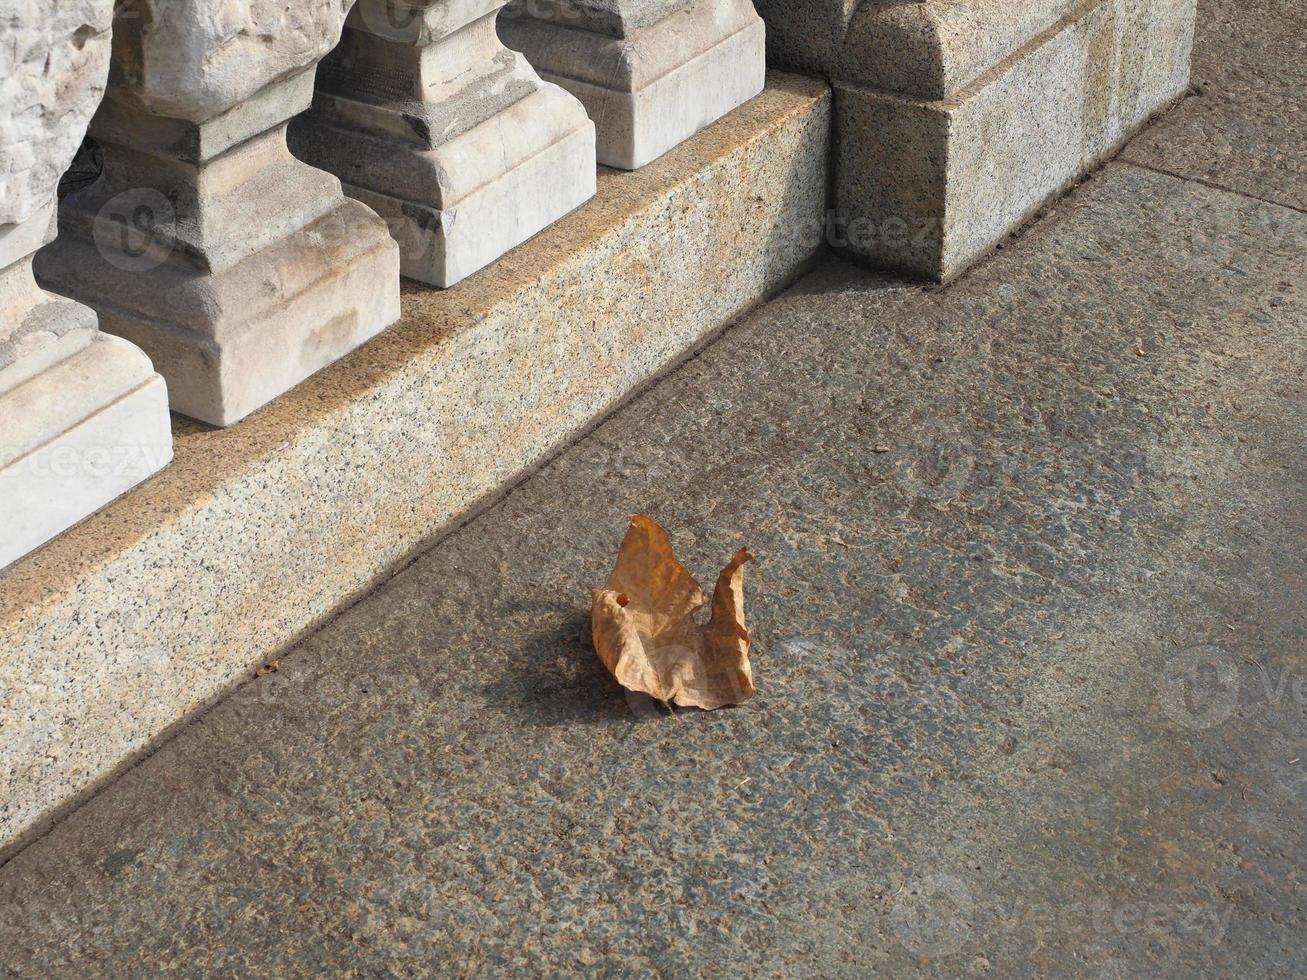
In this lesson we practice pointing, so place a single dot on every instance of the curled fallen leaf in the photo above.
(645, 632)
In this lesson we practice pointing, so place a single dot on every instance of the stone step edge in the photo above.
(135, 620)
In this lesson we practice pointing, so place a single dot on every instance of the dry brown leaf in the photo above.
(644, 628)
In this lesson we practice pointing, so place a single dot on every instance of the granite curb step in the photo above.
(155, 607)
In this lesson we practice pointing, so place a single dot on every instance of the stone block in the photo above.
(932, 49)
(956, 120)
(454, 140)
(78, 434)
(650, 75)
(254, 329)
(239, 269)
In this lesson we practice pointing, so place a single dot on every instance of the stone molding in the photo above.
(429, 120)
(648, 87)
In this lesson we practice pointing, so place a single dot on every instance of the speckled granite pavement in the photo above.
(1030, 637)
(1031, 642)
(1246, 126)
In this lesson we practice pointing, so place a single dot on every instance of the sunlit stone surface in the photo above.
(239, 269)
(84, 416)
(651, 73)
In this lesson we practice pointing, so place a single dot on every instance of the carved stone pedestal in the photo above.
(453, 139)
(651, 73)
(238, 268)
(83, 417)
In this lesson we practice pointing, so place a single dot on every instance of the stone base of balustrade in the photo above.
(83, 417)
(928, 186)
(956, 122)
(658, 86)
(77, 435)
(474, 197)
(229, 342)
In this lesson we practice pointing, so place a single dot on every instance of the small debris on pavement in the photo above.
(645, 633)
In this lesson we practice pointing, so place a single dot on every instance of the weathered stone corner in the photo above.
(956, 121)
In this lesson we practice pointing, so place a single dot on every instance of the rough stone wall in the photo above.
(805, 34)
(54, 59)
(194, 59)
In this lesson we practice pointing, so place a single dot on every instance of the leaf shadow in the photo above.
(560, 681)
